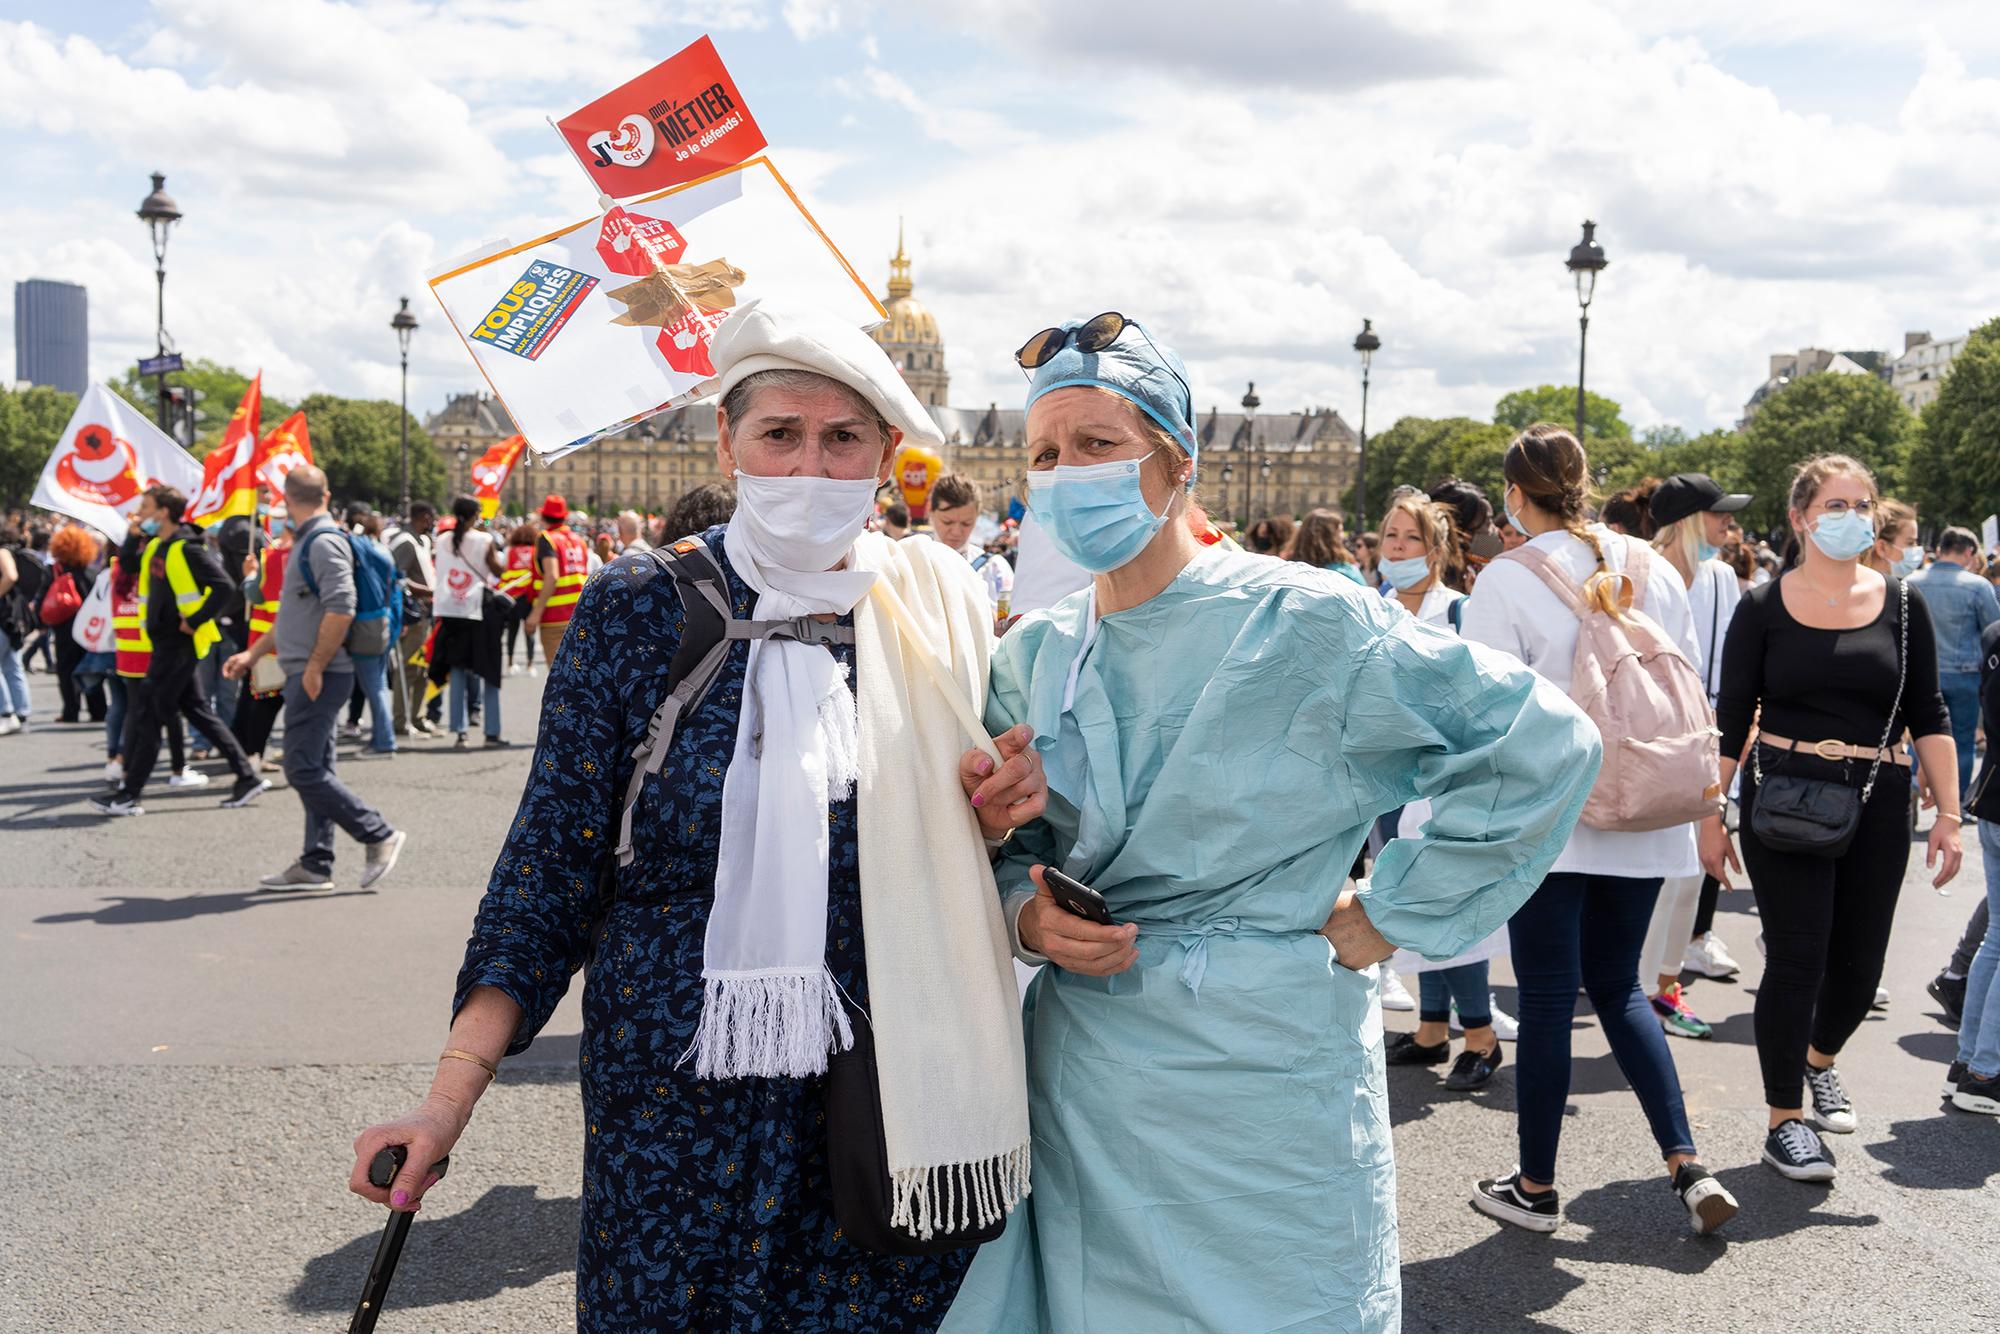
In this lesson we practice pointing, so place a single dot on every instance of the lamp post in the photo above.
(1250, 405)
(1264, 479)
(159, 212)
(405, 324)
(1586, 261)
(464, 467)
(1366, 342)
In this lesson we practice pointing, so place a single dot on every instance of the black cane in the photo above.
(381, 1172)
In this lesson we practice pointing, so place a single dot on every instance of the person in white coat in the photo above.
(1586, 923)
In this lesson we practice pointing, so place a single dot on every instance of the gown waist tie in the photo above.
(1194, 940)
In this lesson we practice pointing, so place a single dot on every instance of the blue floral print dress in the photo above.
(705, 1202)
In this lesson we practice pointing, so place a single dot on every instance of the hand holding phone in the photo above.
(1070, 924)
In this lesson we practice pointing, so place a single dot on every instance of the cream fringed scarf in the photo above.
(944, 1008)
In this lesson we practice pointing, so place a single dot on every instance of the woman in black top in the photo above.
(1822, 650)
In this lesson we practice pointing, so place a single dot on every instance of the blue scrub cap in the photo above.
(1137, 367)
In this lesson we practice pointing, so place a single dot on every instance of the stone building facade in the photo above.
(1252, 465)
(1918, 374)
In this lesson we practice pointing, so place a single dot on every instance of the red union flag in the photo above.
(681, 120)
(285, 448)
(491, 472)
(229, 473)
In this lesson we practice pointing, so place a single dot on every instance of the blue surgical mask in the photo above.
(1912, 561)
(1097, 516)
(1508, 510)
(1843, 536)
(280, 524)
(1705, 549)
(1406, 574)
(150, 527)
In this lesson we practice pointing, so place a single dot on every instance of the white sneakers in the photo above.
(114, 773)
(1395, 996)
(188, 778)
(9, 724)
(1706, 956)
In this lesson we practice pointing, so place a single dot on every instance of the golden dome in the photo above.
(910, 323)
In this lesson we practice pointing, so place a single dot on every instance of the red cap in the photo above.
(554, 507)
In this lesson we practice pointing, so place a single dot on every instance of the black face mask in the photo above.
(1260, 545)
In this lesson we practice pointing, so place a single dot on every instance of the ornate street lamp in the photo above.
(1366, 344)
(1250, 405)
(159, 212)
(1586, 261)
(405, 324)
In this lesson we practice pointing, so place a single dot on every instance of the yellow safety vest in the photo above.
(270, 581)
(572, 568)
(128, 626)
(188, 595)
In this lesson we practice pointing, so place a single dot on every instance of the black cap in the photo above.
(1688, 493)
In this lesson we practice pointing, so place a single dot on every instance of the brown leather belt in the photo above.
(1835, 750)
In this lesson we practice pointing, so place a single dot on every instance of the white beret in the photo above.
(767, 336)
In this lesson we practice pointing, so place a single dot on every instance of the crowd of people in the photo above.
(811, 781)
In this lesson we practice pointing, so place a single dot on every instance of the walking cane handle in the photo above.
(383, 1168)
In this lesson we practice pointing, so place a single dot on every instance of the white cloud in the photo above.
(812, 18)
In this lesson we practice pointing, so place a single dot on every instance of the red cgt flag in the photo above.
(229, 473)
(679, 121)
(285, 448)
(490, 473)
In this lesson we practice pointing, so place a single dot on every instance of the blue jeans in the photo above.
(1587, 930)
(13, 678)
(1979, 1029)
(1961, 697)
(1466, 984)
(114, 704)
(309, 764)
(464, 682)
(373, 674)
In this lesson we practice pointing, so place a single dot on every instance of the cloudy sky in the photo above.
(1250, 178)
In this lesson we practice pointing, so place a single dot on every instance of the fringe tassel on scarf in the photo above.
(952, 1197)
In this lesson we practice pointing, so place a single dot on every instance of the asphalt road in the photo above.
(184, 1063)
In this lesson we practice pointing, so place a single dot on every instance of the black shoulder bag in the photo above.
(1817, 817)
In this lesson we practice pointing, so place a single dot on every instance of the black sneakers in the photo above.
(1708, 1201)
(116, 803)
(1954, 1077)
(245, 791)
(1473, 1069)
(1505, 1200)
(1974, 1094)
(1832, 1109)
(1949, 993)
(1404, 1049)
(1795, 1149)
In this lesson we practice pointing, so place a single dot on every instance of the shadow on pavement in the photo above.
(132, 910)
(1950, 1151)
(1940, 1047)
(552, 1059)
(509, 1238)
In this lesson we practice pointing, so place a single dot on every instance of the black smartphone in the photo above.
(1076, 897)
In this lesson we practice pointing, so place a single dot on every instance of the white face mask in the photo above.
(805, 524)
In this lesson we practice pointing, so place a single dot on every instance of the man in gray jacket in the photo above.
(310, 637)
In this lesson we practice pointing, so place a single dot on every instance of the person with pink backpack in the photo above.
(1600, 616)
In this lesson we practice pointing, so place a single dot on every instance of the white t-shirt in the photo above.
(993, 571)
(1512, 609)
(461, 575)
(1712, 599)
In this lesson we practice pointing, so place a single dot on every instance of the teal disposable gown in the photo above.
(1211, 1127)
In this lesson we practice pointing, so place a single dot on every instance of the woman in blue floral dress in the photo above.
(706, 1203)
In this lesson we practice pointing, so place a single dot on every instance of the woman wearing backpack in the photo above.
(1841, 660)
(1586, 923)
(467, 564)
(1692, 518)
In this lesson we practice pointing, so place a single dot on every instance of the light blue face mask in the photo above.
(1406, 574)
(1912, 561)
(1705, 549)
(1843, 536)
(150, 527)
(1096, 515)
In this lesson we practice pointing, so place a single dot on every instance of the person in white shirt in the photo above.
(1692, 521)
(1586, 923)
(954, 514)
(631, 532)
(467, 565)
(1417, 544)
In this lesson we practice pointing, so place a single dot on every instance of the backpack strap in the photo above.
(1638, 570)
(1455, 613)
(1545, 568)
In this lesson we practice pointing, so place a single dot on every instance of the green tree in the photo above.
(358, 443)
(1421, 451)
(1557, 403)
(1954, 465)
(31, 421)
(1821, 414)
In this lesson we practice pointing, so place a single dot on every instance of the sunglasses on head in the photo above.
(1093, 335)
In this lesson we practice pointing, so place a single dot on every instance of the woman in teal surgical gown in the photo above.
(1209, 1113)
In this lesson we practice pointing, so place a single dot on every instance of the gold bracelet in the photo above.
(455, 1054)
(1951, 816)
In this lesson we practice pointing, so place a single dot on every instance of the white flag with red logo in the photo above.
(229, 473)
(110, 453)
